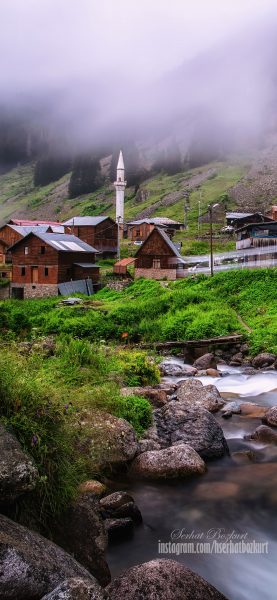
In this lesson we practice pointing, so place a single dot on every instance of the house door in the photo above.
(34, 274)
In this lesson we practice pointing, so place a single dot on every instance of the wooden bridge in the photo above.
(224, 340)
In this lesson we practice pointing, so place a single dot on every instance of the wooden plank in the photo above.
(229, 339)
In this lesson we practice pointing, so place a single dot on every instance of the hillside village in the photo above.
(45, 257)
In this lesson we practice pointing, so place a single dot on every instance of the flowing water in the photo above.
(232, 498)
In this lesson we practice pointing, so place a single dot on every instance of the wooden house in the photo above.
(99, 232)
(257, 235)
(42, 261)
(138, 231)
(11, 233)
(158, 258)
(3, 250)
(238, 220)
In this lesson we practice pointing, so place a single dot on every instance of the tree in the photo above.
(86, 176)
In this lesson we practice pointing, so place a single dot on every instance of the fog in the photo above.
(104, 71)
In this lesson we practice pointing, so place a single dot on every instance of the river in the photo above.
(237, 498)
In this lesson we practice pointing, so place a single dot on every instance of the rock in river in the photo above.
(82, 533)
(207, 361)
(196, 394)
(76, 589)
(170, 463)
(262, 360)
(161, 579)
(31, 566)
(18, 474)
(264, 434)
(179, 423)
(271, 416)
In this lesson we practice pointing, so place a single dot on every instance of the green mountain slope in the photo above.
(161, 195)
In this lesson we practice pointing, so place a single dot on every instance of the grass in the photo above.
(191, 308)
(46, 398)
(52, 399)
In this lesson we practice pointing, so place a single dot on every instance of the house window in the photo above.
(156, 263)
(137, 232)
(26, 250)
(42, 249)
(23, 271)
(46, 272)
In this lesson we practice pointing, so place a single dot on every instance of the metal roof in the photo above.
(62, 242)
(240, 215)
(87, 265)
(79, 221)
(24, 229)
(155, 221)
(264, 225)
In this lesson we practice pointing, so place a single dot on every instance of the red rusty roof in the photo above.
(124, 262)
(26, 222)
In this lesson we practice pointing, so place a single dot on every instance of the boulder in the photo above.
(170, 463)
(161, 579)
(18, 473)
(213, 373)
(112, 441)
(237, 359)
(120, 505)
(157, 397)
(169, 387)
(31, 566)
(82, 533)
(250, 409)
(150, 440)
(76, 589)
(231, 408)
(207, 361)
(92, 487)
(264, 434)
(179, 423)
(194, 393)
(171, 369)
(119, 529)
(262, 360)
(271, 416)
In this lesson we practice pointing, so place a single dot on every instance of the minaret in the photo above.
(120, 185)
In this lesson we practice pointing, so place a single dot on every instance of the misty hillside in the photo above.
(246, 184)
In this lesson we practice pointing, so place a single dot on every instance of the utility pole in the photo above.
(186, 209)
(210, 209)
(199, 212)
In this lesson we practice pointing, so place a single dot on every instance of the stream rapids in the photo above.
(236, 499)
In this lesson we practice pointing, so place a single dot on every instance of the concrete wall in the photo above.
(37, 290)
(156, 273)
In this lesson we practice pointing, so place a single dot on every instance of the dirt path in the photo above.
(244, 324)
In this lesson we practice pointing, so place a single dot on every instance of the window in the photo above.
(137, 232)
(156, 263)
(42, 249)
(23, 271)
(26, 250)
(46, 271)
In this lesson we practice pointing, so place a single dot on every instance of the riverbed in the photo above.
(235, 499)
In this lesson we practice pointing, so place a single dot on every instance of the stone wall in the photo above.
(156, 273)
(37, 290)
